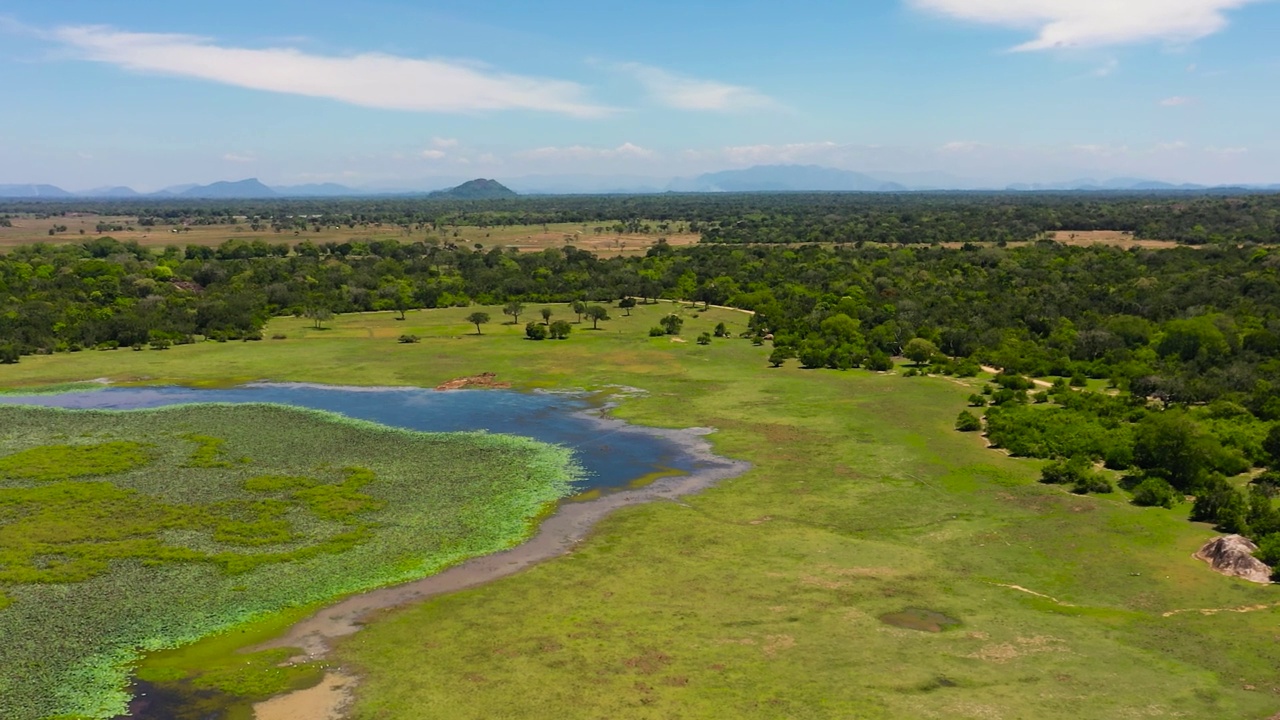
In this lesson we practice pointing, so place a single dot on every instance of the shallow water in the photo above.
(614, 456)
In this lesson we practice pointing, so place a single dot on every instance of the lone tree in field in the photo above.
(319, 315)
(560, 330)
(513, 309)
(920, 351)
(478, 319)
(579, 308)
(672, 324)
(780, 355)
(596, 313)
(546, 316)
(626, 304)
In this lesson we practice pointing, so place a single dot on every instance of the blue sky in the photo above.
(390, 92)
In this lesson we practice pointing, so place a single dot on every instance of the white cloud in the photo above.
(1084, 23)
(1171, 146)
(1107, 69)
(444, 143)
(1176, 101)
(778, 154)
(686, 93)
(239, 157)
(580, 152)
(961, 146)
(370, 79)
(433, 154)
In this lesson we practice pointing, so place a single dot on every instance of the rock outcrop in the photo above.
(1233, 555)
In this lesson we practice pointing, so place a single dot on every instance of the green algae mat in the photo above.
(136, 531)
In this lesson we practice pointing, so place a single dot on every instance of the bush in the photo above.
(161, 344)
(535, 331)
(722, 331)
(279, 336)
(780, 355)
(1269, 552)
(1156, 492)
(559, 330)
(656, 331)
(9, 354)
(879, 362)
(968, 422)
(976, 400)
(1077, 472)
(704, 339)
(409, 339)
(967, 369)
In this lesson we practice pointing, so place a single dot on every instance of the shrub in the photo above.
(9, 354)
(704, 339)
(780, 355)
(879, 362)
(1077, 472)
(279, 336)
(535, 331)
(656, 331)
(160, 344)
(1156, 492)
(559, 330)
(1269, 552)
(409, 339)
(968, 422)
(722, 330)
(976, 400)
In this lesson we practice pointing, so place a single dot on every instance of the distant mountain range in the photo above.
(762, 178)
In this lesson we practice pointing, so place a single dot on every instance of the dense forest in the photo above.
(914, 218)
(1162, 365)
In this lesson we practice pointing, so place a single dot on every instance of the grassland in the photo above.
(150, 529)
(761, 598)
(529, 238)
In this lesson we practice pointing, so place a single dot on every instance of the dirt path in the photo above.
(997, 371)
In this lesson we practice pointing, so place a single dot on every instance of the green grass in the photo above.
(760, 598)
(168, 543)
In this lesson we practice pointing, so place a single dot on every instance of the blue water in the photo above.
(613, 454)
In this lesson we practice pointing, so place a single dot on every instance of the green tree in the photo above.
(704, 339)
(1272, 447)
(721, 330)
(478, 318)
(672, 324)
(514, 309)
(560, 329)
(780, 355)
(626, 304)
(1171, 445)
(920, 351)
(579, 309)
(534, 331)
(319, 315)
(968, 422)
(546, 316)
(1156, 492)
(596, 313)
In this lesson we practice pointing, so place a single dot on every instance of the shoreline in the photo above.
(556, 536)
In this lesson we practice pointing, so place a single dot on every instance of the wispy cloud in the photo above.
(1107, 69)
(371, 79)
(1085, 23)
(444, 142)
(432, 154)
(582, 152)
(687, 93)
(1176, 101)
(234, 157)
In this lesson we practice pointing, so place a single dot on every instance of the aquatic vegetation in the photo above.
(109, 545)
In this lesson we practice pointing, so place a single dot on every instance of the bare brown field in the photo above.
(1084, 238)
(526, 238)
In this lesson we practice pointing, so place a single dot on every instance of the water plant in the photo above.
(146, 530)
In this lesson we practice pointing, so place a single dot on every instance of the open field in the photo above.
(528, 238)
(761, 598)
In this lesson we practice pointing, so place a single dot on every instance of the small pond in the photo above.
(613, 454)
